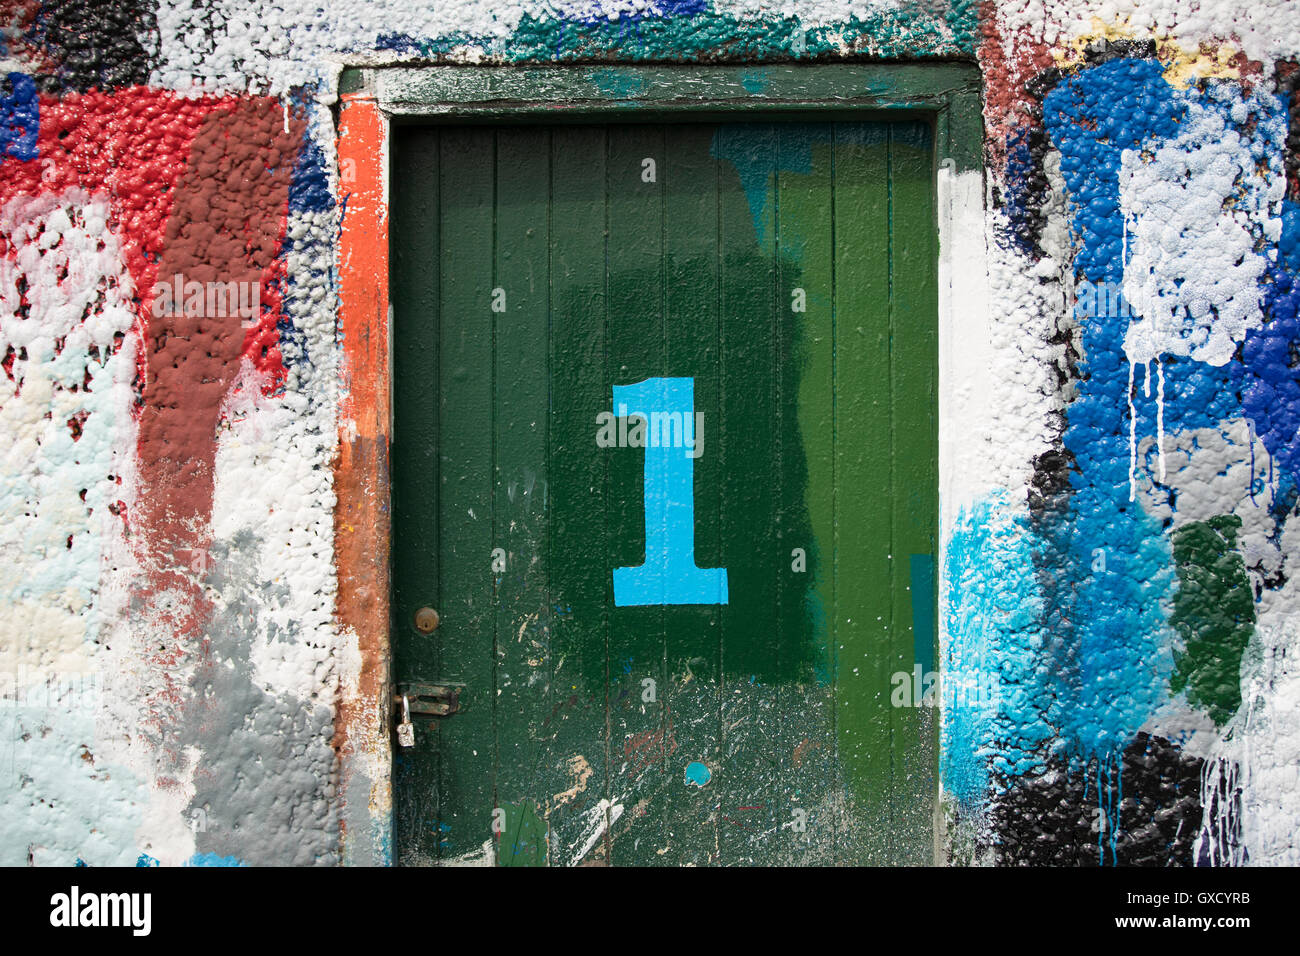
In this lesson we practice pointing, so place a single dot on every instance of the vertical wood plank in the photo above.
(748, 783)
(579, 561)
(415, 535)
(805, 393)
(523, 617)
(466, 457)
(634, 191)
(865, 558)
(690, 694)
(914, 463)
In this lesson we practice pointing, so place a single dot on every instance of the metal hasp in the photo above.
(429, 700)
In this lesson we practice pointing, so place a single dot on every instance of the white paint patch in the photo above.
(1195, 211)
(75, 785)
(1264, 30)
(1253, 779)
(595, 823)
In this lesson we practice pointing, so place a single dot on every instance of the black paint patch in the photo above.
(1064, 818)
(1288, 85)
(97, 44)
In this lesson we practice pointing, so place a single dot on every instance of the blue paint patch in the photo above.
(697, 774)
(145, 860)
(1271, 397)
(213, 859)
(1108, 645)
(309, 188)
(20, 118)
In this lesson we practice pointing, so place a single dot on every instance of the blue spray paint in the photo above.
(20, 118)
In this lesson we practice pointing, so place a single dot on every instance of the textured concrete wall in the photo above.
(1119, 415)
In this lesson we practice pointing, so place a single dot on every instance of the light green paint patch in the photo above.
(523, 836)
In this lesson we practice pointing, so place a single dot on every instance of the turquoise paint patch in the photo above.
(144, 860)
(912, 31)
(618, 84)
(697, 774)
(758, 151)
(995, 695)
(754, 81)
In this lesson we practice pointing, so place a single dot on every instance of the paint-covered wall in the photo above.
(1118, 415)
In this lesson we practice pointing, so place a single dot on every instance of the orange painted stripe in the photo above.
(361, 480)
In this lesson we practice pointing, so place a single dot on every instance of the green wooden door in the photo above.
(665, 461)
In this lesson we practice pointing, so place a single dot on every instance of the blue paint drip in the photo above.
(20, 118)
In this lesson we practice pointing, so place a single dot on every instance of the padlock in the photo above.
(406, 729)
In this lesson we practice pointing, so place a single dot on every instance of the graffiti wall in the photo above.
(1119, 415)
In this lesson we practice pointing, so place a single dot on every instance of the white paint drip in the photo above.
(1132, 437)
(1197, 209)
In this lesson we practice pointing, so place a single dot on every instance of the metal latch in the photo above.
(429, 700)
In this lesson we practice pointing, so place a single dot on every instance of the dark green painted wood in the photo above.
(690, 693)
(582, 718)
(519, 428)
(464, 494)
(636, 351)
(415, 390)
(580, 585)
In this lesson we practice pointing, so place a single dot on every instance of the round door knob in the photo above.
(426, 620)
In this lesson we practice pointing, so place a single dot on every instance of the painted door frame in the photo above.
(372, 100)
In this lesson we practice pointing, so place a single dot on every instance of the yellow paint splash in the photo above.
(1181, 66)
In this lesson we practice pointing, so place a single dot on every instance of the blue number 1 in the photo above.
(672, 443)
